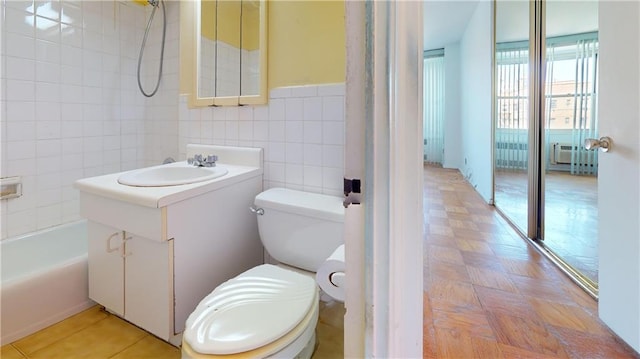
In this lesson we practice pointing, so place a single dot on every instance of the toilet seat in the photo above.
(296, 340)
(256, 314)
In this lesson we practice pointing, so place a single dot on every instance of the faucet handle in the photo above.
(202, 161)
(212, 159)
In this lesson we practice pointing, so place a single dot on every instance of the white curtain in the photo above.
(585, 119)
(433, 109)
(512, 115)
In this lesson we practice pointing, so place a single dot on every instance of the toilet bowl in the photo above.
(271, 310)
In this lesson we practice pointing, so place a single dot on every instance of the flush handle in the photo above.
(258, 211)
(604, 143)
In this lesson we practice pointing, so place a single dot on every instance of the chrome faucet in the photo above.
(202, 161)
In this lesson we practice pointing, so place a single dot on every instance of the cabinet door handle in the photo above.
(109, 248)
(124, 253)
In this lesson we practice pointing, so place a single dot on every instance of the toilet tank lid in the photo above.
(303, 203)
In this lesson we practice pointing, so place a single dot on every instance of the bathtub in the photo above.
(43, 279)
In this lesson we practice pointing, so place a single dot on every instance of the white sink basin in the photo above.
(170, 175)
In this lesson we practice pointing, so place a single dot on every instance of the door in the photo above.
(511, 123)
(545, 179)
(619, 178)
(106, 266)
(570, 170)
(149, 284)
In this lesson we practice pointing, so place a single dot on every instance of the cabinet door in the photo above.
(106, 266)
(149, 285)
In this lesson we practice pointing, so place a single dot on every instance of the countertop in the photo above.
(157, 197)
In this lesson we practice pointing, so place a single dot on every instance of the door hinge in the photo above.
(352, 190)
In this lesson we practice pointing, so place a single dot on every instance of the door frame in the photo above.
(384, 132)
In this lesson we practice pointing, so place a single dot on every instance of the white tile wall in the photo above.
(70, 103)
(301, 130)
(71, 109)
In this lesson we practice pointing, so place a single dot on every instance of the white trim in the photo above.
(406, 182)
(393, 181)
(354, 321)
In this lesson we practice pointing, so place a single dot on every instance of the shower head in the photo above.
(153, 2)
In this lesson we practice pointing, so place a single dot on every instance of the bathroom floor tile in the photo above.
(149, 347)
(330, 342)
(10, 352)
(101, 340)
(61, 330)
(332, 314)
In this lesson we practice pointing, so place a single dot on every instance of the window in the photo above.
(434, 82)
(571, 93)
(571, 71)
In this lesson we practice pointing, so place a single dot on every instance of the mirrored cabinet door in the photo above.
(228, 41)
(207, 35)
(229, 28)
(250, 50)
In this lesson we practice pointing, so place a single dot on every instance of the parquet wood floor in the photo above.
(489, 294)
(571, 214)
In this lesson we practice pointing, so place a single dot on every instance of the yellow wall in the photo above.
(229, 22)
(208, 19)
(227, 14)
(306, 42)
(250, 25)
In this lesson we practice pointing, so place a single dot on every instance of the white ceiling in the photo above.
(446, 21)
(563, 18)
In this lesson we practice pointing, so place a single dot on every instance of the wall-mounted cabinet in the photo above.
(228, 43)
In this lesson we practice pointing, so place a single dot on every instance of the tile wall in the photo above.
(70, 108)
(70, 103)
(301, 130)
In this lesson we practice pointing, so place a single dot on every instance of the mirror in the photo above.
(229, 66)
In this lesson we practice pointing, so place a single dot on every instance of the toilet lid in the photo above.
(250, 311)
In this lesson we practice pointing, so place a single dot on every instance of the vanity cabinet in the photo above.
(155, 252)
(132, 276)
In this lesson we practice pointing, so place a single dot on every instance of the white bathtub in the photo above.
(44, 279)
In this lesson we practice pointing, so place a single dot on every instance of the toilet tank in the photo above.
(300, 229)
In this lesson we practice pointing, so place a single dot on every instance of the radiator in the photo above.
(512, 155)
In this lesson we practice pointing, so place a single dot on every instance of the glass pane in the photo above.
(228, 48)
(512, 110)
(571, 172)
(250, 48)
(207, 49)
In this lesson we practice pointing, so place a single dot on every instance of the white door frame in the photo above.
(384, 132)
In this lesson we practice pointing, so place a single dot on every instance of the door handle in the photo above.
(604, 143)
(109, 248)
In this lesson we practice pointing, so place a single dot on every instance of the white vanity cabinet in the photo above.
(155, 252)
(132, 276)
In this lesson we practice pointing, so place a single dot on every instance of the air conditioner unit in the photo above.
(561, 155)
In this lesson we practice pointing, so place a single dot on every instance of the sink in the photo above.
(170, 175)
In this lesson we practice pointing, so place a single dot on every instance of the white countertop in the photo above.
(157, 197)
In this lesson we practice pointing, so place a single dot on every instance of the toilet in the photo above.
(271, 310)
